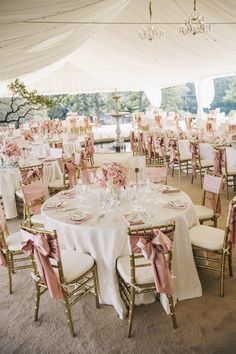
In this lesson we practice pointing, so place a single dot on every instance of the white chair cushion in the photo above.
(185, 157)
(143, 275)
(207, 237)
(57, 183)
(203, 212)
(19, 194)
(207, 163)
(75, 264)
(14, 241)
(37, 219)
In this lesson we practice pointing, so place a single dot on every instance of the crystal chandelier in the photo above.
(150, 31)
(195, 23)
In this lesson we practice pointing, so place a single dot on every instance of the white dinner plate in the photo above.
(79, 216)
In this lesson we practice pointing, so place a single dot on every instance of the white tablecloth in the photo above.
(70, 147)
(9, 183)
(107, 240)
(40, 150)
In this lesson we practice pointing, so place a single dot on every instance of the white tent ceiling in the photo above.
(45, 44)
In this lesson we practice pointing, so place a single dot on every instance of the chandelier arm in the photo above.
(150, 10)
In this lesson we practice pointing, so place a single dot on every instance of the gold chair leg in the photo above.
(37, 299)
(9, 273)
(131, 311)
(227, 188)
(222, 275)
(68, 314)
(179, 171)
(96, 287)
(172, 174)
(172, 311)
(230, 262)
(12, 263)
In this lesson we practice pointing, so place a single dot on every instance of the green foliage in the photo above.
(22, 103)
(225, 94)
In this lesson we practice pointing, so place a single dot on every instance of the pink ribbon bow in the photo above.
(2, 228)
(154, 251)
(140, 143)
(194, 151)
(172, 147)
(218, 159)
(28, 176)
(33, 194)
(39, 247)
(231, 223)
(71, 170)
(149, 146)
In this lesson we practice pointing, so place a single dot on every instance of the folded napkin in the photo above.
(55, 205)
(176, 204)
(168, 189)
(77, 222)
(133, 219)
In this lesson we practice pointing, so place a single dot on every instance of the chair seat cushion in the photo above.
(14, 241)
(203, 212)
(207, 163)
(57, 183)
(37, 219)
(207, 237)
(75, 264)
(185, 157)
(19, 194)
(143, 275)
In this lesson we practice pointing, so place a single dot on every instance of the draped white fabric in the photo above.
(155, 96)
(100, 57)
(205, 92)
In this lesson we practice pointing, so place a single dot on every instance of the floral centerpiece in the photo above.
(113, 174)
(12, 153)
(11, 149)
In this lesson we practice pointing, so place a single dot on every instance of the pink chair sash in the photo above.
(231, 223)
(41, 248)
(195, 154)
(33, 194)
(140, 143)
(149, 146)
(172, 147)
(160, 142)
(2, 228)
(71, 170)
(153, 248)
(218, 159)
(132, 142)
(158, 121)
(139, 120)
(155, 174)
(28, 175)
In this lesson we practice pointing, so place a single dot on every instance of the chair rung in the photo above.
(208, 267)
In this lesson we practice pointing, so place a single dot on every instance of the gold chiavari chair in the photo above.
(211, 246)
(10, 248)
(180, 155)
(77, 273)
(26, 172)
(155, 173)
(134, 272)
(212, 186)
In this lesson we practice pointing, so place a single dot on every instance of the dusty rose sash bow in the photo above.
(139, 120)
(231, 223)
(71, 170)
(213, 185)
(158, 121)
(90, 146)
(39, 246)
(160, 144)
(149, 146)
(154, 251)
(172, 147)
(188, 121)
(132, 141)
(140, 143)
(195, 154)
(28, 176)
(2, 228)
(218, 159)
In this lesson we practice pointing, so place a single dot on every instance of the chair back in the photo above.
(230, 159)
(31, 173)
(43, 246)
(212, 186)
(206, 152)
(3, 233)
(231, 222)
(184, 148)
(69, 173)
(34, 195)
(155, 174)
(152, 244)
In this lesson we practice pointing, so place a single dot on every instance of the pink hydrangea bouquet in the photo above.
(11, 149)
(113, 174)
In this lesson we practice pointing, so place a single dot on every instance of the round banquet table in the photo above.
(106, 240)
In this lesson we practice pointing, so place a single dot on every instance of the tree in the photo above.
(23, 102)
(172, 98)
